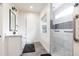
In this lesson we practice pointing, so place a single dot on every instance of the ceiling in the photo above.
(36, 7)
(57, 5)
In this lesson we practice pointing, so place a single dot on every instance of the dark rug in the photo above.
(29, 48)
(46, 54)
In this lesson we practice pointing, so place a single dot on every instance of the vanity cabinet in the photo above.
(14, 45)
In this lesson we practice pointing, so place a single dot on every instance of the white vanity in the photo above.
(13, 40)
(13, 45)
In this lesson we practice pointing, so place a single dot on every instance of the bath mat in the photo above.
(46, 54)
(29, 48)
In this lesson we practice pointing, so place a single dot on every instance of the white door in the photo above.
(0, 31)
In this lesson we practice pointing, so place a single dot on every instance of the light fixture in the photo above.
(31, 7)
(13, 8)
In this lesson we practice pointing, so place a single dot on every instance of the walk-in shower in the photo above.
(62, 29)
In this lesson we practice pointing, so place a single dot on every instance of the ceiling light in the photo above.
(31, 7)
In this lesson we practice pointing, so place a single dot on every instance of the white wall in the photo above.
(0, 30)
(28, 26)
(45, 37)
(33, 27)
(6, 8)
(21, 27)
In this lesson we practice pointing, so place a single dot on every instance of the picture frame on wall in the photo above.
(44, 28)
(44, 18)
(44, 23)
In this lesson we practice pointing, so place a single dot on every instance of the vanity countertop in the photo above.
(13, 35)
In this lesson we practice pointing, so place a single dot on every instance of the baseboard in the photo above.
(45, 47)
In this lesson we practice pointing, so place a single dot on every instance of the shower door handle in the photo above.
(76, 28)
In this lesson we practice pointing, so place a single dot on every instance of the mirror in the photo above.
(12, 20)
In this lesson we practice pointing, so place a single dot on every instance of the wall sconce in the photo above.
(13, 8)
(76, 4)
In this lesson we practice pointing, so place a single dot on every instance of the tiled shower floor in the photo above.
(61, 52)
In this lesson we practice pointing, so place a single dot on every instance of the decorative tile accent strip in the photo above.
(69, 31)
(65, 25)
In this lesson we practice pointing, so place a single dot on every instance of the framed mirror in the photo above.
(12, 20)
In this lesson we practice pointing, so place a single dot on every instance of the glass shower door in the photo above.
(62, 30)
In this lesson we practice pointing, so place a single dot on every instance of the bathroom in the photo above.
(50, 25)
